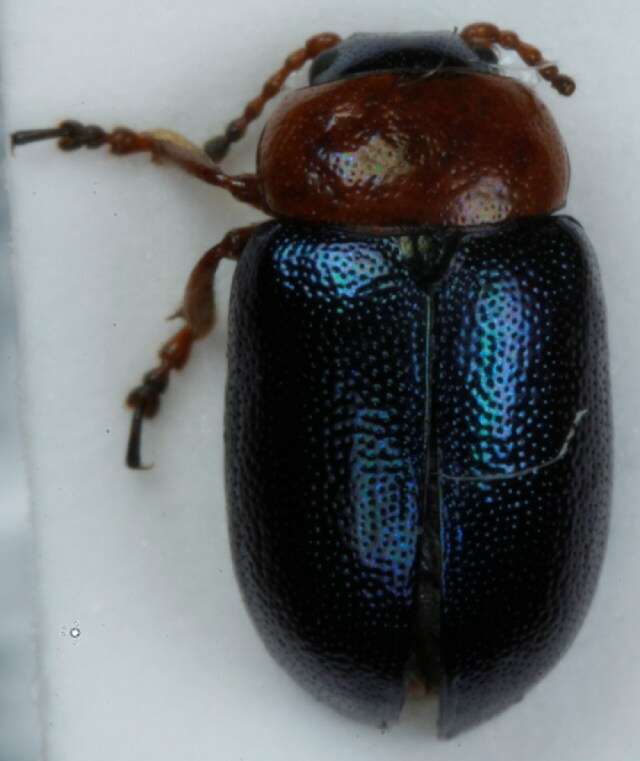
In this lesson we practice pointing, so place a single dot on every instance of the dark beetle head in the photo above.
(415, 129)
(415, 53)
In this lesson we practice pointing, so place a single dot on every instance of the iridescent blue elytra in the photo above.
(417, 457)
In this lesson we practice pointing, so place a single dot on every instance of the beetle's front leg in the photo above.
(163, 145)
(198, 310)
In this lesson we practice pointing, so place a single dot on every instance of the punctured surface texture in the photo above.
(325, 461)
(329, 419)
(521, 387)
(386, 149)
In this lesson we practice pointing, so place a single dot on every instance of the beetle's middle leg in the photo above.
(198, 311)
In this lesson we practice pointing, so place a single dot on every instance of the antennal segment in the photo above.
(484, 35)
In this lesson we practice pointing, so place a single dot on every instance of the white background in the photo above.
(167, 665)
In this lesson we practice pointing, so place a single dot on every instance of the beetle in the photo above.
(418, 424)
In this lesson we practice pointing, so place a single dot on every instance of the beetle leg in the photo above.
(163, 145)
(218, 146)
(198, 310)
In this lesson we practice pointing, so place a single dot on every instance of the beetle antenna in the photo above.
(218, 146)
(484, 35)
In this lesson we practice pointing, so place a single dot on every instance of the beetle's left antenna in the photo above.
(218, 146)
(483, 35)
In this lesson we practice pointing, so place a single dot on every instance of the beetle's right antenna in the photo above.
(218, 147)
(484, 35)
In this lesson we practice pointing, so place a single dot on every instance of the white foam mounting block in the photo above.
(165, 663)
